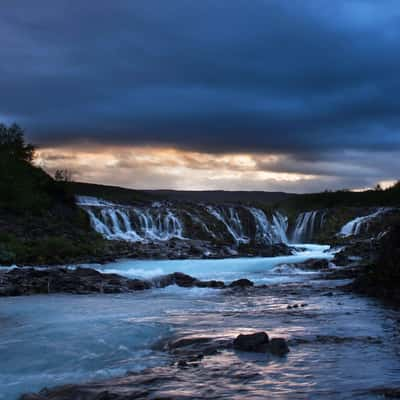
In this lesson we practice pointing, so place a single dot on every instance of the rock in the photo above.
(28, 281)
(255, 342)
(211, 284)
(278, 347)
(241, 283)
(314, 265)
(260, 343)
(137, 284)
(195, 348)
(182, 364)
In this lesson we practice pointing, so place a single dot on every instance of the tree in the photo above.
(13, 145)
(63, 175)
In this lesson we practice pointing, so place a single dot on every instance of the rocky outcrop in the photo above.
(183, 280)
(382, 277)
(259, 342)
(29, 281)
(312, 264)
(241, 283)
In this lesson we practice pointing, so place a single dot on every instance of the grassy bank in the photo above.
(39, 221)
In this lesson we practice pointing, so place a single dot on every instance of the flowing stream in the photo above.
(56, 339)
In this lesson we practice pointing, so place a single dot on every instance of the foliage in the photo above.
(39, 220)
(13, 145)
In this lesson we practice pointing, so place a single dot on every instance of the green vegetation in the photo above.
(39, 221)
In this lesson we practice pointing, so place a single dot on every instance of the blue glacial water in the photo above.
(56, 339)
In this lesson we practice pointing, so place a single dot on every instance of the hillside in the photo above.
(132, 196)
(39, 220)
(344, 198)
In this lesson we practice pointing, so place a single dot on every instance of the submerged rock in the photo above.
(255, 342)
(278, 347)
(314, 264)
(260, 343)
(184, 280)
(241, 283)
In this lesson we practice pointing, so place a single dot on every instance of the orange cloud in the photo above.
(155, 168)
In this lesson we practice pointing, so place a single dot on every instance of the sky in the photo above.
(269, 95)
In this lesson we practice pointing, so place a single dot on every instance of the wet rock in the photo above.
(278, 347)
(289, 307)
(211, 284)
(182, 364)
(183, 280)
(177, 278)
(137, 284)
(260, 343)
(29, 281)
(313, 265)
(195, 348)
(254, 342)
(241, 283)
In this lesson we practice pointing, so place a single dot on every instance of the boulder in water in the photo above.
(260, 343)
(278, 347)
(241, 283)
(254, 342)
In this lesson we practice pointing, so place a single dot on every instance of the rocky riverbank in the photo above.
(30, 281)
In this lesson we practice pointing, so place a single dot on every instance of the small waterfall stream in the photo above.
(355, 226)
(232, 222)
(305, 224)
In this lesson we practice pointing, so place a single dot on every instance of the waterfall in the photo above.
(197, 220)
(263, 227)
(160, 221)
(305, 226)
(231, 220)
(279, 226)
(117, 222)
(354, 226)
(266, 232)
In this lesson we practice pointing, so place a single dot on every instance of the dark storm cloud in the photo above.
(305, 78)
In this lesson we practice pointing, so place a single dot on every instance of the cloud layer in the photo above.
(315, 83)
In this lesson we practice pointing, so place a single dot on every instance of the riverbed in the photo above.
(342, 345)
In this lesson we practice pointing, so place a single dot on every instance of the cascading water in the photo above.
(306, 226)
(117, 222)
(230, 218)
(204, 227)
(263, 227)
(269, 233)
(161, 222)
(279, 227)
(355, 226)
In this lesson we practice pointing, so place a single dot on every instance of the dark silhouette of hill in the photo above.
(129, 196)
